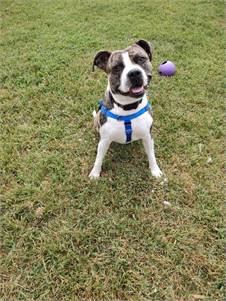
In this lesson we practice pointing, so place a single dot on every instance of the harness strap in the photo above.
(130, 117)
(128, 130)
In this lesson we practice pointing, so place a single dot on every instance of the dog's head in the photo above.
(128, 70)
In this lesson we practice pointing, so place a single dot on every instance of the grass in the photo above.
(66, 238)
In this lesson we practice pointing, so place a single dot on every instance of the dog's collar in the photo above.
(130, 106)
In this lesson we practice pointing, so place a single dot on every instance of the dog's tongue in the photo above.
(137, 89)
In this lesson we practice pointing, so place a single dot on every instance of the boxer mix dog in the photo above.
(124, 115)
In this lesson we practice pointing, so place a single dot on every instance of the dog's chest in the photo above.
(116, 129)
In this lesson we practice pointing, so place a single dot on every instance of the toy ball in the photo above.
(167, 68)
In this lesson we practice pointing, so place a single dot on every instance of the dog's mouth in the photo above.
(137, 91)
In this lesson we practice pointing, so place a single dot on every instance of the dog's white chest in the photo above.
(115, 130)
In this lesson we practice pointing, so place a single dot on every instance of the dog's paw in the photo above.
(156, 172)
(94, 174)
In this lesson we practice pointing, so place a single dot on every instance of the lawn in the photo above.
(64, 237)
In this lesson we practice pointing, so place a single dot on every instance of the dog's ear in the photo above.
(101, 60)
(148, 48)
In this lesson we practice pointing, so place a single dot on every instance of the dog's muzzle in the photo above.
(136, 78)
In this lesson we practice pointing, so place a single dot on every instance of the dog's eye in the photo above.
(140, 59)
(118, 67)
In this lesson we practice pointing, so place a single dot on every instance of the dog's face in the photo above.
(128, 70)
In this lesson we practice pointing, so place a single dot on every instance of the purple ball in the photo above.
(167, 68)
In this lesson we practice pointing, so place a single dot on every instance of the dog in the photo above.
(124, 115)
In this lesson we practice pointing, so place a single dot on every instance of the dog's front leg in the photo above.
(148, 143)
(103, 146)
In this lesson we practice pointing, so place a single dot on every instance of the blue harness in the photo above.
(127, 119)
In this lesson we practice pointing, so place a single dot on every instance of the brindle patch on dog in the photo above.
(108, 101)
(100, 118)
(115, 67)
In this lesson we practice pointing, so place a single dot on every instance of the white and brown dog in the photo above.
(124, 115)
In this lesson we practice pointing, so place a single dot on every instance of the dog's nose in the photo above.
(133, 74)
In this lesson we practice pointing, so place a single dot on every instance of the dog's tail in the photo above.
(94, 114)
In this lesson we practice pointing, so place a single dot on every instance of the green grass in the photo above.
(66, 238)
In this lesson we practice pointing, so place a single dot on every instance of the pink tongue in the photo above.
(137, 89)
